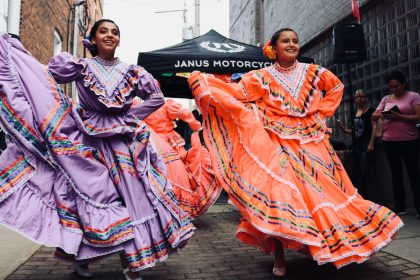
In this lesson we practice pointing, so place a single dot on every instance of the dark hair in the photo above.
(93, 49)
(197, 115)
(398, 76)
(276, 35)
(360, 92)
(14, 36)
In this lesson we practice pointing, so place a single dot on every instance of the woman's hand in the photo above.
(392, 116)
(413, 118)
(344, 128)
(370, 148)
(195, 126)
(193, 74)
(376, 116)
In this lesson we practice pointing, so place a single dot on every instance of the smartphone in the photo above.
(393, 109)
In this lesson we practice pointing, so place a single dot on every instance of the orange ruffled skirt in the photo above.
(297, 193)
(190, 172)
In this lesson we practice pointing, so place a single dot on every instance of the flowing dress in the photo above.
(190, 171)
(270, 149)
(84, 179)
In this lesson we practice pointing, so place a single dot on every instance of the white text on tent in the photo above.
(222, 63)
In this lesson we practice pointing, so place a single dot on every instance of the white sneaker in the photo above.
(82, 271)
(127, 276)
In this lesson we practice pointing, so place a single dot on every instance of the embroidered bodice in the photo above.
(293, 102)
(106, 90)
(291, 79)
(108, 74)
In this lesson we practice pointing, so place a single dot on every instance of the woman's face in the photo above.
(396, 87)
(287, 46)
(107, 38)
(360, 98)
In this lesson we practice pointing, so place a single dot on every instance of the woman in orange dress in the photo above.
(270, 149)
(189, 171)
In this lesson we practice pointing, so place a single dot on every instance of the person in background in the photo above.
(400, 111)
(184, 129)
(364, 141)
(189, 170)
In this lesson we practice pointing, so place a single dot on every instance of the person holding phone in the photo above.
(401, 112)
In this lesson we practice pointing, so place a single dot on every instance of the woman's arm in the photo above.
(64, 68)
(376, 116)
(148, 90)
(372, 139)
(247, 90)
(371, 145)
(378, 112)
(344, 128)
(414, 118)
(333, 93)
(176, 111)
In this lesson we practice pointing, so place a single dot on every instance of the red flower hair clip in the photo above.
(268, 51)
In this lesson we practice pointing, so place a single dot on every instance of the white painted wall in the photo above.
(13, 20)
(3, 15)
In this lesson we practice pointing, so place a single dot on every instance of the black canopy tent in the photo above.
(211, 53)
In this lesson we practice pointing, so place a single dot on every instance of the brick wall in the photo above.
(242, 20)
(39, 20)
(308, 18)
(95, 14)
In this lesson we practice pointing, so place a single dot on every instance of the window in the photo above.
(58, 43)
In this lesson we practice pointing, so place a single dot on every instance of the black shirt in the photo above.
(363, 129)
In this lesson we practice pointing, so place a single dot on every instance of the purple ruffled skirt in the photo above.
(69, 184)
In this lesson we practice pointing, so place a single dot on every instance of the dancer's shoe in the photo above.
(82, 270)
(126, 272)
(279, 271)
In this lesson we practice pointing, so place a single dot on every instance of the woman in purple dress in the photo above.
(85, 179)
